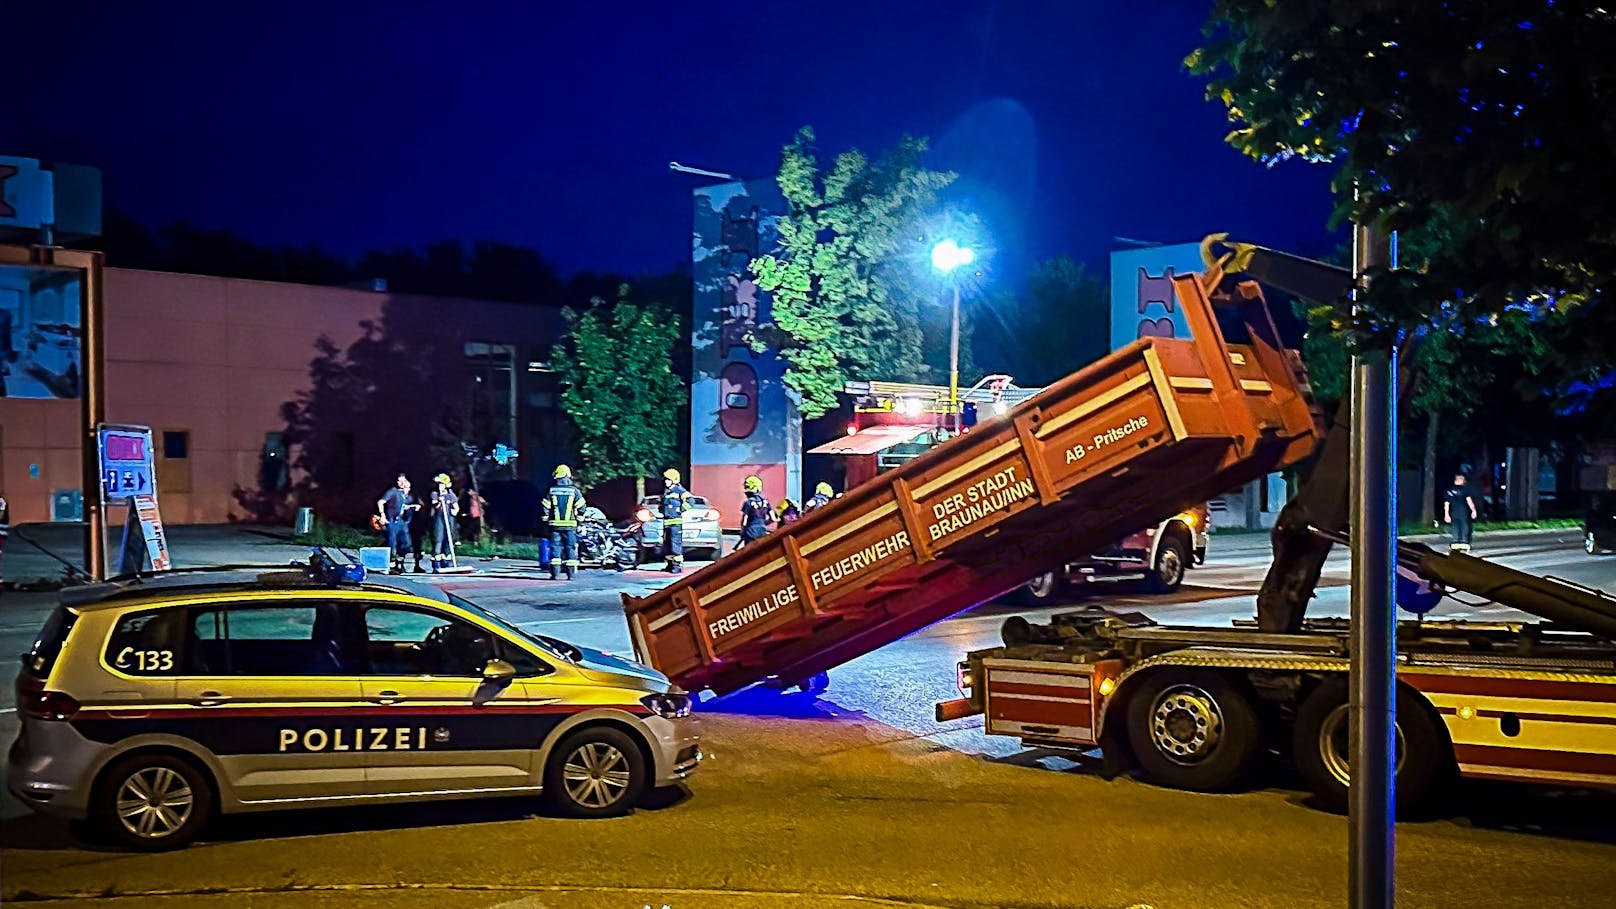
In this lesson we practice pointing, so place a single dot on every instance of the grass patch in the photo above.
(339, 536)
(499, 549)
(1416, 527)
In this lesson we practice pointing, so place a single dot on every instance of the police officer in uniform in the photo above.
(823, 493)
(756, 514)
(561, 507)
(673, 521)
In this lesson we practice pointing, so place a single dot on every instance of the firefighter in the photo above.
(673, 506)
(561, 507)
(787, 512)
(823, 493)
(445, 508)
(756, 513)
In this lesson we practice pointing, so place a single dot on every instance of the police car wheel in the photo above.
(152, 802)
(595, 772)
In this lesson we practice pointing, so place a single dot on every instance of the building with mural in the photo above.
(742, 420)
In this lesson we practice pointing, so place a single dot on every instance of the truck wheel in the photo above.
(1192, 730)
(597, 771)
(1172, 558)
(1040, 589)
(152, 802)
(1324, 759)
(815, 685)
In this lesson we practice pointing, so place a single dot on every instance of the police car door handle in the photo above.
(387, 697)
(211, 698)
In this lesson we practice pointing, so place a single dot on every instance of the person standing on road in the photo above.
(1459, 511)
(445, 508)
(475, 513)
(674, 502)
(823, 493)
(787, 512)
(756, 514)
(5, 528)
(395, 508)
(561, 507)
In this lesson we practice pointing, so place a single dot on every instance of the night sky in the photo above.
(356, 125)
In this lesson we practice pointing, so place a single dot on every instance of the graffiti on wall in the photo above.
(739, 412)
(1142, 301)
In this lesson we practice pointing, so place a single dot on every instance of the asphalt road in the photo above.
(859, 797)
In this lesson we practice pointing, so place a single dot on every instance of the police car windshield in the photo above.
(556, 648)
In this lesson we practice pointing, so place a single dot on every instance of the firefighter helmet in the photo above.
(562, 472)
(825, 490)
(671, 475)
(754, 484)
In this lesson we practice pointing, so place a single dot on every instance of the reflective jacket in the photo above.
(562, 504)
(756, 512)
(817, 500)
(674, 504)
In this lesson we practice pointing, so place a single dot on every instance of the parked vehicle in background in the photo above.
(704, 538)
(1158, 556)
(1599, 526)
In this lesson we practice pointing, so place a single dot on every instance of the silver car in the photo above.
(148, 705)
(703, 536)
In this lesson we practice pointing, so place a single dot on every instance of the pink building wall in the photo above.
(214, 357)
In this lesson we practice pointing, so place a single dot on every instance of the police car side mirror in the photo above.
(498, 671)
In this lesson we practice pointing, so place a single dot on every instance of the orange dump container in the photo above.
(1119, 445)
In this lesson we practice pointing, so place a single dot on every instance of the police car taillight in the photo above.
(46, 705)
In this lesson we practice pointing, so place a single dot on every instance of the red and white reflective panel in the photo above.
(1045, 701)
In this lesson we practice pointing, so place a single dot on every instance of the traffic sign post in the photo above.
(126, 462)
(128, 475)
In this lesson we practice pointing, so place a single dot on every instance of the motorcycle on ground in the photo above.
(600, 545)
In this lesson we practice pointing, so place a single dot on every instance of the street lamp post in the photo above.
(947, 256)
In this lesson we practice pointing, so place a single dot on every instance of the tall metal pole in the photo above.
(953, 360)
(94, 410)
(1372, 795)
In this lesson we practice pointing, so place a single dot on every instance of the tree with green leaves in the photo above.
(1063, 322)
(1455, 364)
(1488, 116)
(1485, 116)
(846, 299)
(619, 388)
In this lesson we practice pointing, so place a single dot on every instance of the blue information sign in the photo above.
(126, 462)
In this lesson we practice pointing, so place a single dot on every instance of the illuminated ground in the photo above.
(855, 799)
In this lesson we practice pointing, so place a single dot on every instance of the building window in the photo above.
(491, 392)
(176, 445)
(174, 467)
(274, 474)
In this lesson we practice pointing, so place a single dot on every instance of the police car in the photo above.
(148, 705)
